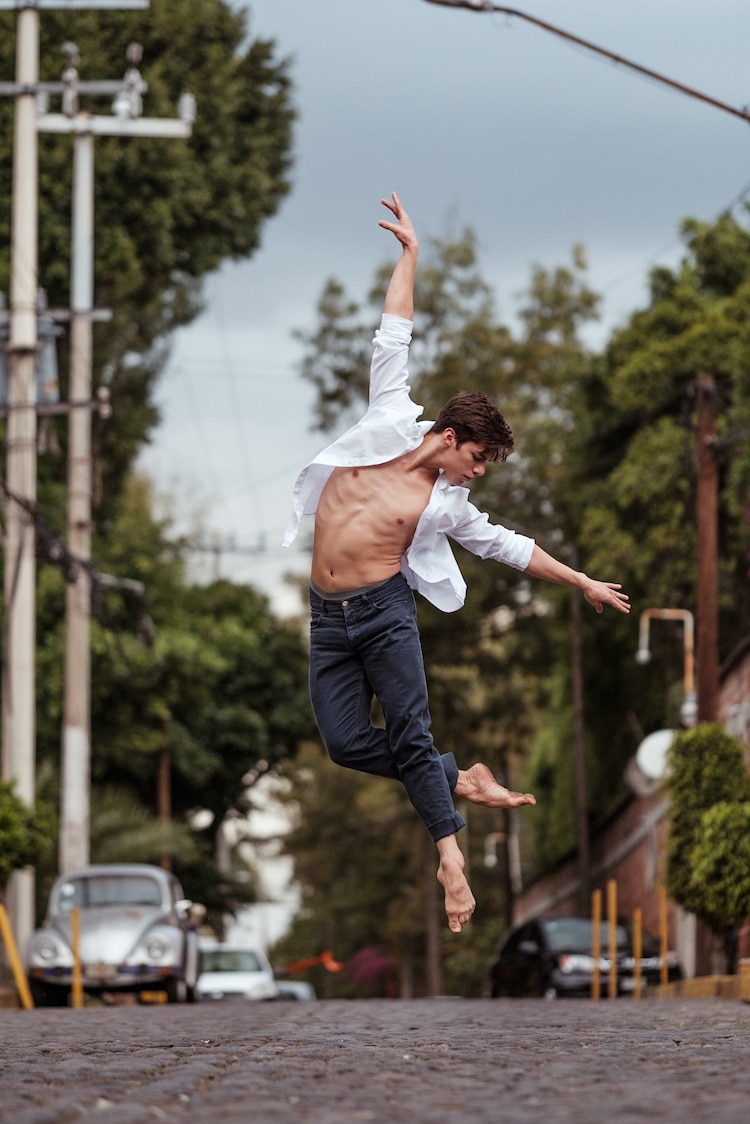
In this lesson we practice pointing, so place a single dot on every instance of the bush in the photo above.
(721, 865)
(706, 768)
(25, 833)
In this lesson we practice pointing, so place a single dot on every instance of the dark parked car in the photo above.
(135, 935)
(551, 957)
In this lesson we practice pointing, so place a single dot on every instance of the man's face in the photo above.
(462, 463)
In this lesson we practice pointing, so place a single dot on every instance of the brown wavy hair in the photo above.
(475, 418)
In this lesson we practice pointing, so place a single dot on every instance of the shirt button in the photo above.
(344, 604)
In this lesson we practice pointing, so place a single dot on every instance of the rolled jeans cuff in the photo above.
(450, 768)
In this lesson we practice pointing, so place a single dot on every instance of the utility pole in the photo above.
(19, 625)
(19, 680)
(127, 121)
(707, 598)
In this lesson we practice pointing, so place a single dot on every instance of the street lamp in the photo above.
(689, 708)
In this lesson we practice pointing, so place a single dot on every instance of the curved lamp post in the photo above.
(689, 708)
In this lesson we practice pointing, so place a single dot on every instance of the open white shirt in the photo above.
(389, 429)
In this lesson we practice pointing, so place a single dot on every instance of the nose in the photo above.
(479, 469)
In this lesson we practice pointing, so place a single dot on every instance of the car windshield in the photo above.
(110, 889)
(229, 960)
(573, 934)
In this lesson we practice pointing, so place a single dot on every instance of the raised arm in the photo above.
(598, 594)
(399, 297)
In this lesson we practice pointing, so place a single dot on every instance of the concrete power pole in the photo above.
(19, 683)
(19, 625)
(76, 734)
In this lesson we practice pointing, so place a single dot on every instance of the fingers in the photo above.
(608, 593)
(518, 799)
(394, 206)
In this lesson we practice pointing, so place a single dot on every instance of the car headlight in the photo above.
(576, 962)
(46, 949)
(157, 948)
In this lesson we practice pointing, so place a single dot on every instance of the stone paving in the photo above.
(436, 1060)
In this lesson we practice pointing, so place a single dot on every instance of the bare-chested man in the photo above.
(385, 496)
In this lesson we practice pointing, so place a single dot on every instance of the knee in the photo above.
(336, 748)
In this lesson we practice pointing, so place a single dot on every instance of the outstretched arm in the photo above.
(598, 594)
(399, 297)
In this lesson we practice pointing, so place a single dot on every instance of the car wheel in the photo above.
(550, 992)
(44, 996)
(176, 991)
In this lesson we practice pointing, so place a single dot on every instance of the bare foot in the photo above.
(459, 900)
(478, 786)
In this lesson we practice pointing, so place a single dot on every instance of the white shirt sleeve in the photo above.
(474, 531)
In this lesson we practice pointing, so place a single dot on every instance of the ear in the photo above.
(449, 437)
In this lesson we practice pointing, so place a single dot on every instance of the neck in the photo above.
(426, 456)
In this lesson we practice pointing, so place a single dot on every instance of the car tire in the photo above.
(550, 992)
(176, 991)
(44, 996)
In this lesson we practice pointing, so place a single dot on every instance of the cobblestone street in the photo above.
(391, 1061)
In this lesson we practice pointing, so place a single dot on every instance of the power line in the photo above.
(620, 60)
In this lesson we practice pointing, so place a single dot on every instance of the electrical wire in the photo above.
(619, 60)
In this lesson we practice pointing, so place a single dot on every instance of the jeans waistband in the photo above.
(340, 595)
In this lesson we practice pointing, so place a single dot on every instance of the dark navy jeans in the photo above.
(368, 645)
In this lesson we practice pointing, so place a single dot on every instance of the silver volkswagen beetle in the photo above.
(137, 934)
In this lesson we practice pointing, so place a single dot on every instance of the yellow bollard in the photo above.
(76, 987)
(663, 945)
(596, 942)
(612, 931)
(637, 950)
(22, 984)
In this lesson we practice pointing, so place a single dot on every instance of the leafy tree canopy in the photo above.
(637, 435)
(166, 211)
(204, 675)
(25, 833)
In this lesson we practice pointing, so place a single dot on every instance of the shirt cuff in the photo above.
(397, 326)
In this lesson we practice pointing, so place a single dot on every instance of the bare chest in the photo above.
(386, 494)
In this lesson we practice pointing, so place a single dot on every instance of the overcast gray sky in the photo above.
(475, 119)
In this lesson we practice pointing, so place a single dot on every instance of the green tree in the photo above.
(203, 679)
(25, 833)
(720, 876)
(167, 212)
(637, 439)
(706, 771)
(628, 476)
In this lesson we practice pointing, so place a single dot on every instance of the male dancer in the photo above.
(385, 496)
